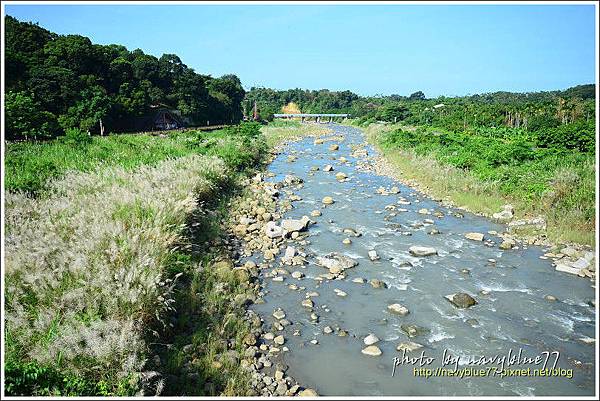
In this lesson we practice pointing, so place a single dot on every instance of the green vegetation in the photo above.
(56, 82)
(100, 260)
(530, 111)
(29, 165)
(482, 171)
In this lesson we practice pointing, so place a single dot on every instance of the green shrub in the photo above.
(578, 136)
(75, 136)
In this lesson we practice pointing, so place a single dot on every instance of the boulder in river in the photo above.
(474, 236)
(308, 392)
(291, 225)
(422, 250)
(308, 303)
(376, 283)
(371, 339)
(412, 330)
(292, 180)
(398, 309)
(408, 346)
(328, 200)
(334, 146)
(461, 300)
(371, 350)
(507, 244)
(373, 255)
(272, 230)
(328, 168)
(336, 262)
(279, 314)
(340, 176)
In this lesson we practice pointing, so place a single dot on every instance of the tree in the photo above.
(417, 96)
(25, 118)
(90, 112)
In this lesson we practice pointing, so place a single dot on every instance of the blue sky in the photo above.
(369, 49)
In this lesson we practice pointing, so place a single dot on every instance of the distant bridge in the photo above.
(316, 116)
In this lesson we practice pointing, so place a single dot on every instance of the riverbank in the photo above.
(463, 189)
(137, 269)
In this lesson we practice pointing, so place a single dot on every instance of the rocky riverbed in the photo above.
(355, 268)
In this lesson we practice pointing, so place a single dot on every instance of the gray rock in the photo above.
(408, 346)
(474, 236)
(398, 309)
(291, 225)
(422, 251)
(272, 230)
(371, 339)
(412, 330)
(461, 300)
(372, 350)
(373, 255)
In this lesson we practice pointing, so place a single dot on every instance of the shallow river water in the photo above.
(511, 313)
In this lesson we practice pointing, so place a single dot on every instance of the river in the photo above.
(511, 314)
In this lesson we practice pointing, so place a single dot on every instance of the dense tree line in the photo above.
(58, 82)
(559, 118)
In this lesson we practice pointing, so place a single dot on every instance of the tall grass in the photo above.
(85, 267)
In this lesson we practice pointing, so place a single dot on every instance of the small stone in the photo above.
(297, 275)
(307, 303)
(339, 292)
(550, 298)
(327, 330)
(373, 255)
(359, 280)
(316, 213)
(334, 146)
(279, 314)
(279, 340)
(328, 168)
(346, 241)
